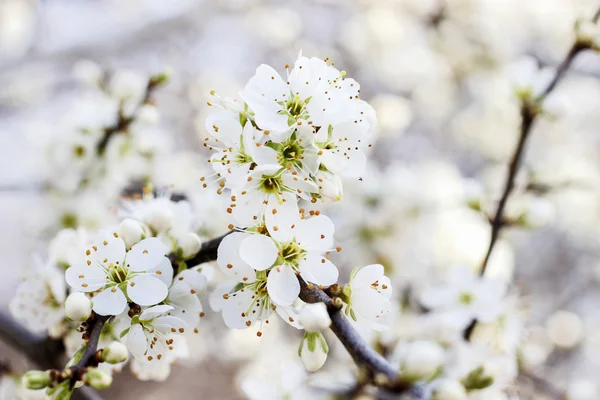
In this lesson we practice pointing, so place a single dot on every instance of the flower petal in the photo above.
(368, 275)
(147, 290)
(259, 251)
(153, 312)
(281, 217)
(315, 233)
(110, 301)
(283, 285)
(108, 249)
(85, 278)
(163, 271)
(136, 341)
(146, 254)
(317, 269)
(229, 260)
(236, 307)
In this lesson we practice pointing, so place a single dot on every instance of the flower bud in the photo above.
(147, 115)
(97, 378)
(422, 360)
(131, 231)
(581, 389)
(160, 219)
(127, 84)
(540, 212)
(587, 31)
(565, 329)
(87, 72)
(449, 389)
(36, 380)
(314, 317)
(189, 244)
(78, 306)
(313, 351)
(115, 353)
(330, 186)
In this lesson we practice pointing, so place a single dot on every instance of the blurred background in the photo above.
(438, 73)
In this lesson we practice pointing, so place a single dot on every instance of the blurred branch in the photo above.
(44, 352)
(542, 385)
(530, 110)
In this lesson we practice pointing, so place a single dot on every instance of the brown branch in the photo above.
(530, 109)
(91, 356)
(44, 352)
(123, 122)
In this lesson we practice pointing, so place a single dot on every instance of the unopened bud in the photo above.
(449, 389)
(36, 380)
(131, 231)
(160, 219)
(115, 353)
(147, 115)
(540, 212)
(97, 378)
(422, 360)
(78, 307)
(87, 72)
(189, 244)
(313, 351)
(314, 317)
(330, 186)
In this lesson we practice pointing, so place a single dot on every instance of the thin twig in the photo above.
(90, 356)
(360, 351)
(529, 112)
(44, 352)
(530, 109)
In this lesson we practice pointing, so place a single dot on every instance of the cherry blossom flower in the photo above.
(282, 261)
(120, 276)
(38, 302)
(154, 334)
(369, 293)
(313, 93)
(241, 150)
(465, 297)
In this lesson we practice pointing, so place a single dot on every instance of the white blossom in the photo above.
(119, 275)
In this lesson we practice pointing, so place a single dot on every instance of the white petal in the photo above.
(163, 271)
(165, 323)
(283, 285)
(236, 309)
(289, 315)
(136, 341)
(153, 312)
(195, 279)
(224, 126)
(110, 301)
(110, 249)
(146, 254)
(216, 300)
(146, 290)
(369, 304)
(319, 270)
(259, 251)
(315, 233)
(229, 260)
(93, 277)
(368, 275)
(281, 217)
